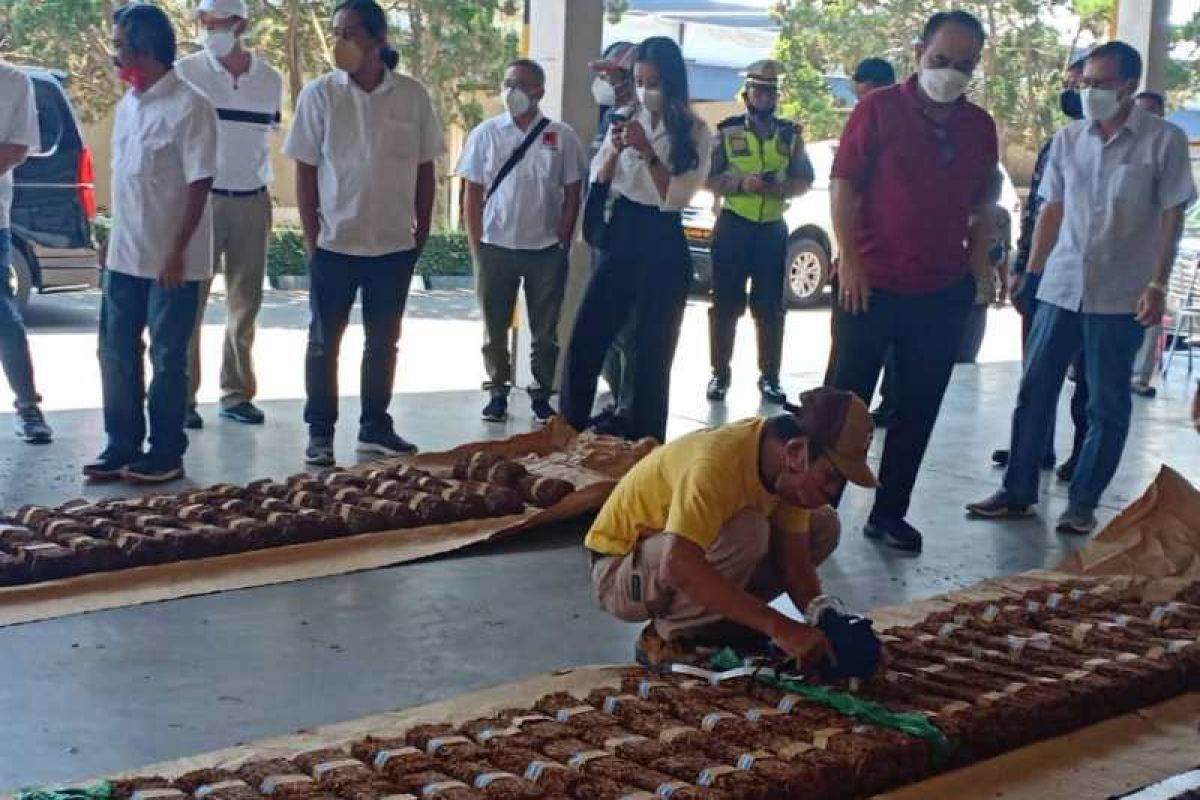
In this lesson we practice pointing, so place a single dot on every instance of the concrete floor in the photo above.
(112, 690)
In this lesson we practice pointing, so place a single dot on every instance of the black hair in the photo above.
(532, 66)
(786, 427)
(1129, 61)
(677, 116)
(1077, 64)
(1153, 97)
(876, 71)
(147, 31)
(374, 21)
(955, 17)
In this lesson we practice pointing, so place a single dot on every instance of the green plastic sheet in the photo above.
(97, 791)
(913, 723)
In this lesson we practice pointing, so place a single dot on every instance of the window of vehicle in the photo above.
(50, 116)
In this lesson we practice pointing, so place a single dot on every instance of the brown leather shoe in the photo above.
(652, 650)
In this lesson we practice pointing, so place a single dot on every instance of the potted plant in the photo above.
(446, 262)
(287, 260)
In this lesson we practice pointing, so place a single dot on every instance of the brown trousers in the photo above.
(628, 586)
(241, 229)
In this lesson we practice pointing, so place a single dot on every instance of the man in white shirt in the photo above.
(524, 174)
(1115, 189)
(364, 140)
(159, 251)
(247, 93)
(18, 136)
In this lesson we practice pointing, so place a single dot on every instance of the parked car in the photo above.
(54, 201)
(811, 244)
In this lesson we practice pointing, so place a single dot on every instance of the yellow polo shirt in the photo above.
(691, 487)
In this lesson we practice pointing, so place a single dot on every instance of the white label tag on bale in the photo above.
(711, 721)
(330, 766)
(207, 789)
(1053, 600)
(430, 789)
(709, 775)
(755, 714)
(947, 630)
(488, 778)
(645, 687)
(990, 613)
(668, 789)
(614, 700)
(537, 768)
(579, 759)
(438, 743)
(384, 756)
(565, 714)
(746, 760)
(789, 702)
(273, 782)
(497, 733)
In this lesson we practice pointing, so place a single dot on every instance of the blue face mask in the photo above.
(1071, 104)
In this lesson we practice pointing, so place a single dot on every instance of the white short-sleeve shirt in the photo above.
(1113, 195)
(247, 115)
(18, 125)
(366, 148)
(525, 211)
(163, 140)
(633, 180)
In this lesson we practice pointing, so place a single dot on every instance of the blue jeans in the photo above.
(335, 280)
(129, 307)
(14, 344)
(1109, 343)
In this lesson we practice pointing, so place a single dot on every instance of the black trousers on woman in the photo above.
(643, 270)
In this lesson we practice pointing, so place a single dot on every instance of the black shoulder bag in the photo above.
(516, 157)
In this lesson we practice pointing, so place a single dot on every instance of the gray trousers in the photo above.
(499, 276)
(241, 230)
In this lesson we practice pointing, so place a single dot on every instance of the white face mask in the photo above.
(220, 43)
(651, 99)
(603, 92)
(943, 85)
(1099, 105)
(516, 101)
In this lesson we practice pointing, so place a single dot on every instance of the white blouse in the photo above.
(632, 179)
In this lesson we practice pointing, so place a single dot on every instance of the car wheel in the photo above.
(19, 277)
(807, 273)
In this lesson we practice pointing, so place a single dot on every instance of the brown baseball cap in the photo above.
(618, 55)
(840, 424)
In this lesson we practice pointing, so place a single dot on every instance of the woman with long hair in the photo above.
(651, 164)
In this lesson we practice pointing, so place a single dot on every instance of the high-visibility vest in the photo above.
(749, 155)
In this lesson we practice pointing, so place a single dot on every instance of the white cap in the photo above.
(225, 8)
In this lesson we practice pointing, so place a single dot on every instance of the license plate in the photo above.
(701, 235)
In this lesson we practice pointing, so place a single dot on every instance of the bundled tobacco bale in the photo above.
(552, 777)
(392, 756)
(396, 514)
(216, 784)
(340, 479)
(544, 492)
(490, 468)
(500, 500)
(31, 515)
(333, 768)
(266, 487)
(701, 771)
(12, 570)
(376, 789)
(627, 745)
(95, 555)
(490, 779)
(442, 740)
(16, 534)
(276, 777)
(436, 786)
(46, 561)
(148, 787)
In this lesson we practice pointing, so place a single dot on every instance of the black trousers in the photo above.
(754, 252)
(645, 271)
(336, 279)
(923, 331)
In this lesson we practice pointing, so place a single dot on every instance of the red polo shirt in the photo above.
(919, 181)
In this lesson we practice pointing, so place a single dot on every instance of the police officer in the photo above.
(758, 163)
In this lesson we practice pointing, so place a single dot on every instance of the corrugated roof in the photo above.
(729, 13)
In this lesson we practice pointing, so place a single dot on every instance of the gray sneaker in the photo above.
(31, 426)
(1077, 520)
(319, 452)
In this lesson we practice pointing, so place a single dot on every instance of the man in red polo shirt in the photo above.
(914, 178)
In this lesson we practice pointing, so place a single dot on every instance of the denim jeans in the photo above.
(130, 306)
(335, 279)
(1109, 343)
(14, 345)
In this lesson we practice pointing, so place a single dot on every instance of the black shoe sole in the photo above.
(103, 476)
(151, 480)
(35, 439)
(890, 541)
(1008, 512)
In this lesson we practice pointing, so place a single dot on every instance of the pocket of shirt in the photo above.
(1133, 183)
(401, 140)
(138, 157)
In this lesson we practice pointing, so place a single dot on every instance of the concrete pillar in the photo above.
(564, 36)
(1145, 24)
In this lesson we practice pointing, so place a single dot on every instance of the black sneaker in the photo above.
(1080, 521)
(718, 386)
(496, 410)
(385, 443)
(1066, 471)
(246, 413)
(998, 506)
(319, 452)
(109, 465)
(1143, 389)
(895, 533)
(543, 411)
(151, 470)
(31, 426)
(610, 425)
(771, 391)
(193, 421)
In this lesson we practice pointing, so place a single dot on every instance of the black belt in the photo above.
(238, 193)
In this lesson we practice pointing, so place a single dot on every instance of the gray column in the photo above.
(1145, 24)
(564, 36)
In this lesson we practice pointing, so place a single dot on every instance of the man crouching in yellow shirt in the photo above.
(708, 529)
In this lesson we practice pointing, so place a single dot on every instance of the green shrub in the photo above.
(445, 253)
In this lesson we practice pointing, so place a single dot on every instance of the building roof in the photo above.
(727, 13)
(710, 83)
